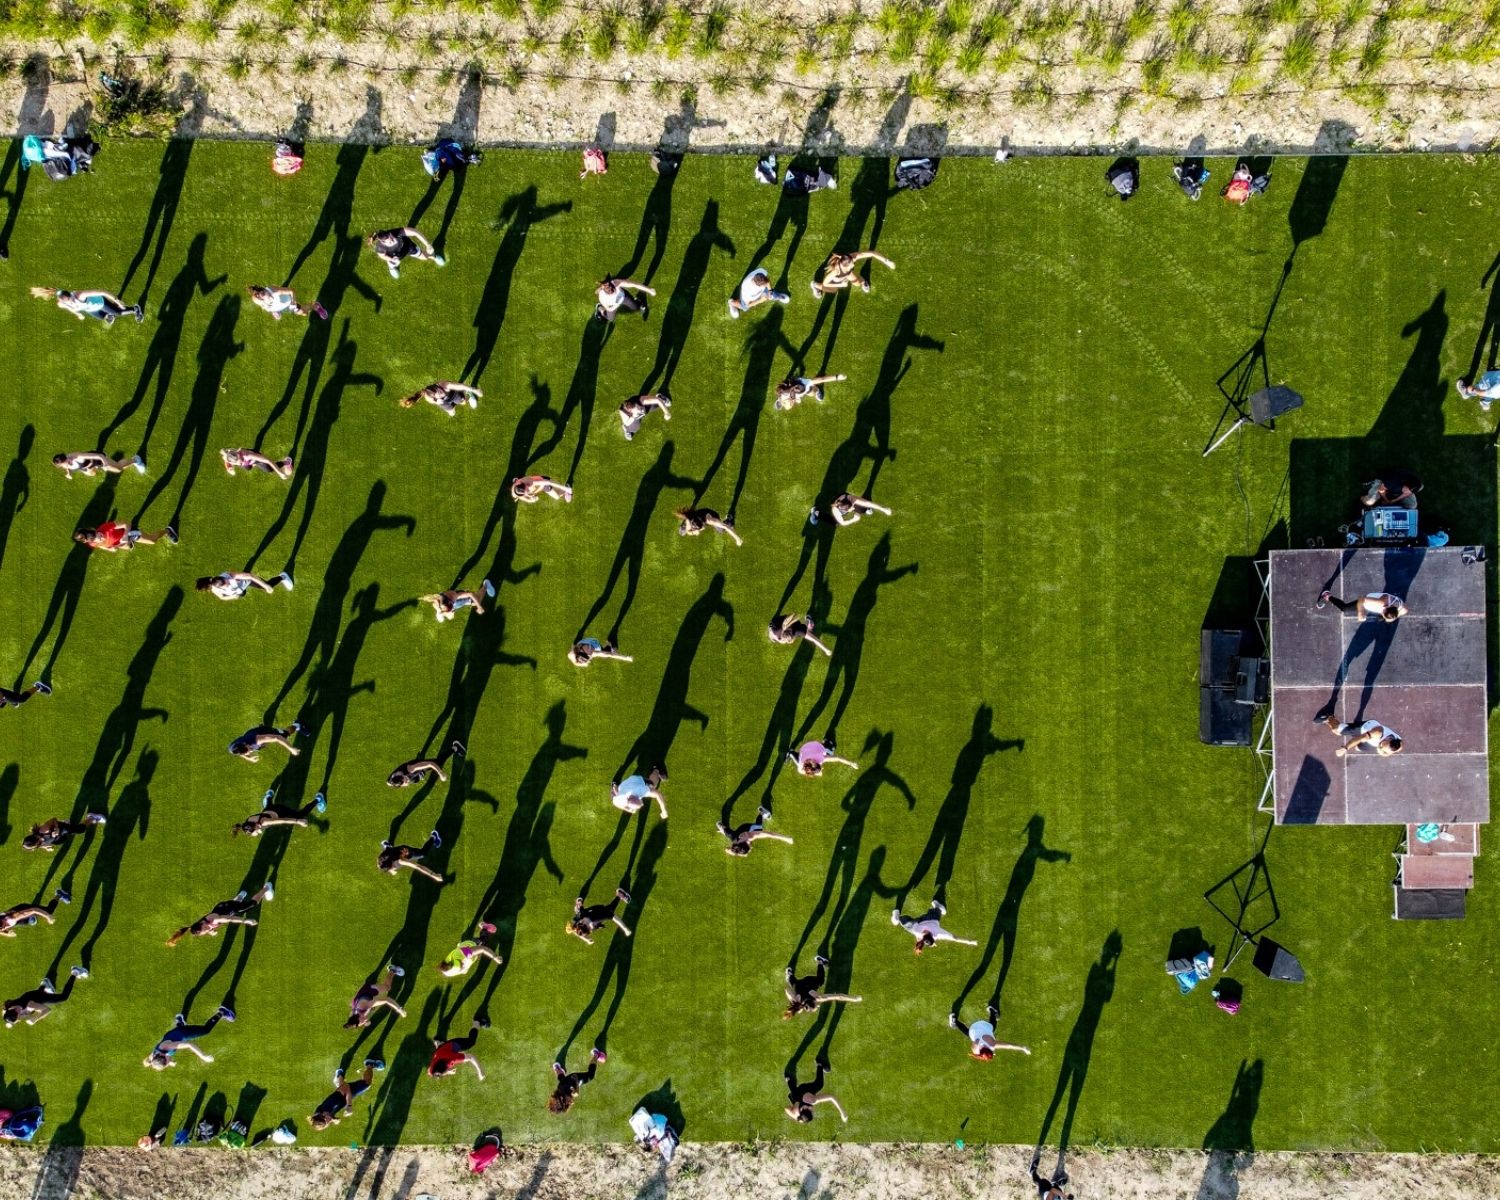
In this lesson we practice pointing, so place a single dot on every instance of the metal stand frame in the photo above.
(1265, 745)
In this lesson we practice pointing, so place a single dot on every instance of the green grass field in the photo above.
(1015, 652)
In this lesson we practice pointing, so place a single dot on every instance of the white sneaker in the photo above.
(489, 589)
(286, 581)
(816, 290)
(733, 311)
(139, 464)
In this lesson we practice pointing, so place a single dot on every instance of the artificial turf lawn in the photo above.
(1016, 650)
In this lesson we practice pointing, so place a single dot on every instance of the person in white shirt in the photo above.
(614, 295)
(231, 585)
(927, 928)
(981, 1035)
(755, 289)
(1381, 738)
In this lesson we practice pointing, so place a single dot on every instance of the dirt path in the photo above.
(718, 1172)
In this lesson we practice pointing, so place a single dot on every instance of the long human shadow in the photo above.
(523, 453)
(869, 441)
(392, 1104)
(840, 945)
(527, 846)
(848, 649)
(618, 957)
(857, 802)
(953, 813)
(166, 339)
(270, 849)
(331, 684)
(16, 489)
(61, 1163)
(654, 744)
(10, 779)
(777, 739)
(68, 591)
(677, 323)
(11, 170)
(868, 195)
(463, 128)
(656, 225)
(214, 353)
(328, 616)
(1098, 989)
(130, 814)
(791, 213)
(1008, 916)
(333, 224)
(1487, 345)
(1229, 1142)
(583, 390)
(161, 214)
(314, 451)
(760, 360)
(631, 553)
(519, 214)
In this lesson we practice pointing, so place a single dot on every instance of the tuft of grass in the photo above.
(238, 67)
(642, 28)
(604, 33)
(970, 60)
(723, 83)
(1285, 12)
(304, 64)
(545, 10)
(677, 30)
(1377, 46)
(1140, 21)
(712, 32)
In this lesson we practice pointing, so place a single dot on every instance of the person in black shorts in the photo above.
(10, 699)
(373, 995)
(340, 1103)
(32, 1006)
(55, 832)
(804, 1097)
(414, 770)
(245, 459)
(787, 628)
(249, 744)
(569, 1085)
(30, 914)
(802, 995)
(448, 1056)
(392, 858)
(693, 521)
(744, 836)
(391, 246)
(272, 814)
(1050, 1188)
(181, 1037)
(588, 921)
(226, 912)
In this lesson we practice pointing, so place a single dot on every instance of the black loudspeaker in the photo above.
(1222, 721)
(1274, 961)
(1217, 651)
(1269, 403)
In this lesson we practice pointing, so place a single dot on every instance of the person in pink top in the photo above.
(812, 755)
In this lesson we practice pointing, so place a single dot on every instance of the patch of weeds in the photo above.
(545, 10)
(100, 22)
(661, 89)
(512, 75)
(1377, 46)
(711, 33)
(677, 30)
(643, 28)
(304, 65)
(722, 83)
(1139, 22)
(1299, 57)
(570, 43)
(238, 66)
(1285, 12)
(138, 106)
(604, 35)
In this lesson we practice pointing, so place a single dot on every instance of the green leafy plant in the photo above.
(136, 105)
(677, 31)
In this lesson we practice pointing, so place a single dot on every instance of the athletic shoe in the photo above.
(733, 311)
(109, 319)
(781, 297)
(398, 972)
(320, 803)
(180, 1019)
(722, 828)
(172, 538)
(43, 689)
(377, 1063)
(942, 908)
(64, 896)
(833, 184)
(241, 894)
(458, 747)
(297, 727)
(487, 926)
(140, 314)
(791, 756)
(48, 985)
(489, 589)
(95, 818)
(824, 1064)
(1323, 599)
(437, 842)
(286, 580)
(558, 1070)
(265, 800)
(139, 464)
(952, 1020)
(338, 1076)
(482, 1022)
(440, 260)
(598, 1055)
(623, 895)
(895, 916)
(319, 311)
(385, 845)
(270, 892)
(763, 813)
(226, 1012)
(394, 270)
(820, 960)
(645, 310)
(79, 972)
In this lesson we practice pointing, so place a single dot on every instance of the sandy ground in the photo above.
(714, 1172)
(416, 72)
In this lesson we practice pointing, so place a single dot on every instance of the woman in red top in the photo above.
(448, 1056)
(112, 536)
